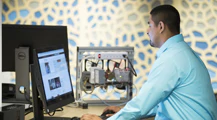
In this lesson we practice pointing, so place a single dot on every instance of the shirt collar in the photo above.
(172, 40)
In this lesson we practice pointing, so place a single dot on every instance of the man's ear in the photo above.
(161, 26)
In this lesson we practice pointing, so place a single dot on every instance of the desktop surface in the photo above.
(70, 112)
(73, 112)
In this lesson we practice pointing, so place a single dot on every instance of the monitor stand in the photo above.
(22, 86)
(22, 74)
(37, 103)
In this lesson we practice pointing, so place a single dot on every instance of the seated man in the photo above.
(178, 85)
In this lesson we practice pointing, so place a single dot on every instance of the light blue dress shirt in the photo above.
(178, 87)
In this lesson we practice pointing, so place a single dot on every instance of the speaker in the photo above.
(12, 112)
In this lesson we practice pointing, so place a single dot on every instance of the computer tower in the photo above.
(12, 112)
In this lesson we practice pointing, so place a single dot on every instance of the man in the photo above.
(178, 86)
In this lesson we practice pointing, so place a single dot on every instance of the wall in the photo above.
(120, 23)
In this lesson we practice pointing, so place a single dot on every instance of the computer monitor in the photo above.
(52, 77)
(31, 36)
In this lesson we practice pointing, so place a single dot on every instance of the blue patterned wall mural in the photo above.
(120, 23)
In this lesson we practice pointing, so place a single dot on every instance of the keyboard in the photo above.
(102, 117)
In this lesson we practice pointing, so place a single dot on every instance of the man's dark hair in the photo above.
(168, 15)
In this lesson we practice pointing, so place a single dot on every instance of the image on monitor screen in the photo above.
(53, 78)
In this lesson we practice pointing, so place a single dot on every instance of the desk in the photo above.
(72, 112)
(78, 112)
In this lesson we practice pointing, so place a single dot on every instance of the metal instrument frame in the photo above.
(80, 56)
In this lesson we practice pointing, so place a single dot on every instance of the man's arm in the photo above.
(162, 80)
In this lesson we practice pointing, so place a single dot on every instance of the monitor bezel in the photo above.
(60, 101)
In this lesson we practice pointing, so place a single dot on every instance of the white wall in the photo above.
(1, 54)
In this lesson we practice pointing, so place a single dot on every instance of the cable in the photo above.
(108, 70)
(136, 89)
(27, 96)
(85, 62)
(80, 70)
(49, 113)
(107, 88)
(26, 113)
(93, 64)
(109, 104)
(133, 71)
(119, 89)
(61, 109)
(80, 64)
(85, 82)
(102, 63)
(28, 110)
(125, 64)
(52, 113)
(115, 104)
(74, 104)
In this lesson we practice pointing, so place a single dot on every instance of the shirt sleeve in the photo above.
(162, 79)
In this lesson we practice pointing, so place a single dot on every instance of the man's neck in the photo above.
(166, 36)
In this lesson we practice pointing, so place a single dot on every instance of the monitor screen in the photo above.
(53, 78)
(32, 36)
